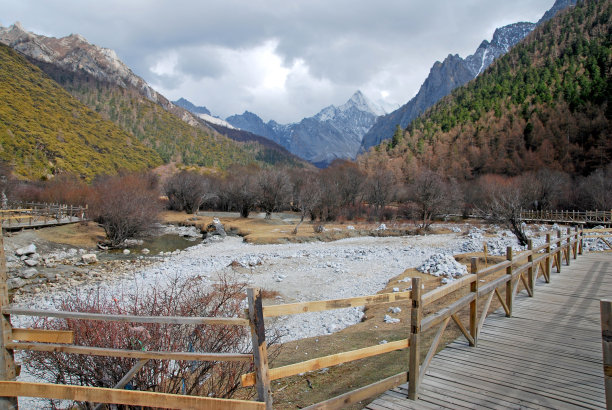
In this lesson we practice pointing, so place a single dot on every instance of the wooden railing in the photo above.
(524, 267)
(568, 217)
(35, 214)
(431, 310)
(14, 339)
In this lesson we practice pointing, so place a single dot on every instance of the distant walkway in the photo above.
(33, 215)
(547, 355)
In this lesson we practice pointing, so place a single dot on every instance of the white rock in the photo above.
(126, 251)
(396, 289)
(89, 258)
(395, 309)
(389, 319)
(31, 262)
(350, 227)
(382, 227)
(26, 250)
(145, 251)
(15, 283)
(29, 273)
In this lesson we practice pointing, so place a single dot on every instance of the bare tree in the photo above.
(380, 189)
(596, 189)
(239, 190)
(273, 190)
(502, 201)
(429, 195)
(187, 191)
(306, 194)
(125, 205)
(546, 188)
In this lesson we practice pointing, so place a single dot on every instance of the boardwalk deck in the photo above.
(40, 223)
(548, 355)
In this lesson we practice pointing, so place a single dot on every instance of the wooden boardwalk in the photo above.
(547, 355)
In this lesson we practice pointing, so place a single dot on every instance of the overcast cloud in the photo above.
(281, 59)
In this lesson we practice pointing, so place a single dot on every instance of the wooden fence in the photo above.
(29, 214)
(569, 217)
(474, 291)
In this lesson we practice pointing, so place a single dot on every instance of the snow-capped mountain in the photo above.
(503, 39)
(454, 72)
(334, 132)
(189, 106)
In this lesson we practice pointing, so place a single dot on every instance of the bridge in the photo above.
(548, 354)
(36, 215)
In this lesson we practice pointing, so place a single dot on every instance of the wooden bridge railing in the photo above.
(568, 217)
(474, 291)
(14, 339)
(33, 214)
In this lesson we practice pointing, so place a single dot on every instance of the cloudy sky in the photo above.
(282, 59)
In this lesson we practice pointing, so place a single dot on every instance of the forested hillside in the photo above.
(44, 130)
(172, 138)
(543, 105)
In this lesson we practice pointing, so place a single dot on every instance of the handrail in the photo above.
(525, 266)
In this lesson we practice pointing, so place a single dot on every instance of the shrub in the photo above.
(180, 298)
(187, 191)
(125, 205)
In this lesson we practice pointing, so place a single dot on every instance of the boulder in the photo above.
(89, 258)
(26, 250)
(31, 262)
(215, 229)
(29, 273)
(15, 283)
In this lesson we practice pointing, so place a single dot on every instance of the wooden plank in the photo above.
(134, 354)
(43, 336)
(176, 320)
(328, 361)
(127, 397)
(416, 315)
(322, 305)
(437, 317)
(8, 369)
(433, 348)
(463, 329)
(488, 287)
(502, 301)
(363, 393)
(606, 342)
(483, 314)
(577, 395)
(126, 379)
(442, 291)
(260, 347)
(494, 268)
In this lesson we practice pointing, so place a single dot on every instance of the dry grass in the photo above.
(82, 235)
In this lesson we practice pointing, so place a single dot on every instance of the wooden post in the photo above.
(7, 359)
(484, 245)
(474, 303)
(580, 243)
(415, 339)
(569, 246)
(560, 249)
(606, 341)
(509, 292)
(530, 275)
(260, 348)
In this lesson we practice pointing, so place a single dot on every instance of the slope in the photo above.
(544, 104)
(453, 72)
(43, 130)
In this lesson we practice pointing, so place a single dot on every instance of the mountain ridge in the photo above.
(335, 132)
(453, 72)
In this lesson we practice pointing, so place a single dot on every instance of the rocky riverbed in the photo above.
(297, 272)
